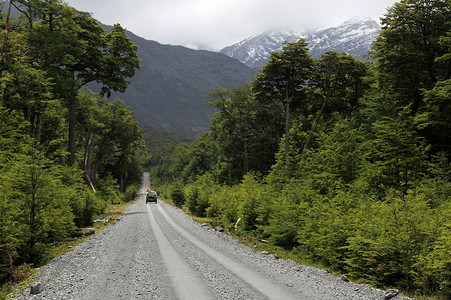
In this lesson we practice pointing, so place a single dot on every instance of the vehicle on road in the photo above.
(151, 196)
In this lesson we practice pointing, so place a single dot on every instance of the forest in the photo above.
(66, 153)
(339, 162)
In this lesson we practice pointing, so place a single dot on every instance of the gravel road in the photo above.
(157, 252)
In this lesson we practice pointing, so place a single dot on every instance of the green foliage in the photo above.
(336, 160)
(434, 268)
(196, 199)
(130, 193)
(287, 214)
(237, 132)
(177, 195)
(191, 193)
(340, 79)
(407, 48)
(435, 120)
(37, 204)
(399, 153)
(282, 84)
(45, 58)
(253, 195)
(108, 190)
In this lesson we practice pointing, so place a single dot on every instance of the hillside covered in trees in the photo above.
(166, 92)
(65, 153)
(340, 162)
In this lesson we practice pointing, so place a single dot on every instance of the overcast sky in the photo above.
(214, 24)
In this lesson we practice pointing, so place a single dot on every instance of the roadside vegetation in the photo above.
(339, 162)
(67, 155)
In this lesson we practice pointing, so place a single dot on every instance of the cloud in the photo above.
(214, 24)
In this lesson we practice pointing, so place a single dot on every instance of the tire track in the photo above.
(186, 282)
(263, 286)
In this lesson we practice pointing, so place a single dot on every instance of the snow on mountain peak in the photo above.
(358, 20)
(354, 37)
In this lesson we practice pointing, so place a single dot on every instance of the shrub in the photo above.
(191, 198)
(177, 196)
(108, 190)
(130, 193)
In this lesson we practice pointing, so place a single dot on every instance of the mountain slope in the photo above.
(255, 50)
(353, 37)
(167, 92)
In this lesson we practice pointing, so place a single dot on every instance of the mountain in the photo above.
(254, 51)
(167, 92)
(353, 37)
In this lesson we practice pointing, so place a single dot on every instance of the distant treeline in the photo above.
(65, 153)
(343, 162)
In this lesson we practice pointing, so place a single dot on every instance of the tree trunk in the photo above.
(8, 16)
(313, 130)
(287, 136)
(72, 136)
(122, 183)
(87, 165)
(246, 157)
(98, 155)
(38, 129)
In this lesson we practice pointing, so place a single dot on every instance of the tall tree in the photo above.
(283, 79)
(112, 138)
(75, 50)
(436, 118)
(339, 83)
(407, 47)
(23, 88)
(241, 139)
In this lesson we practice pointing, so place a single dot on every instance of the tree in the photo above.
(112, 138)
(338, 158)
(46, 56)
(74, 49)
(283, 79)
(43, 202)
(398, 153)
(240, 137)
(407, 48)
(338, 79)
(23, 87)
(435, 121)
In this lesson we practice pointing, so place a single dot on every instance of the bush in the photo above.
(130, 193)
(191, 198)
(177, 196)
(108, 190)
(254, 196)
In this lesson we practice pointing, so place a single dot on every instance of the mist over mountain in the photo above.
(353, 37)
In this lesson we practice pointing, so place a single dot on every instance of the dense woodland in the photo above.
(344, 163)
(65, 153)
